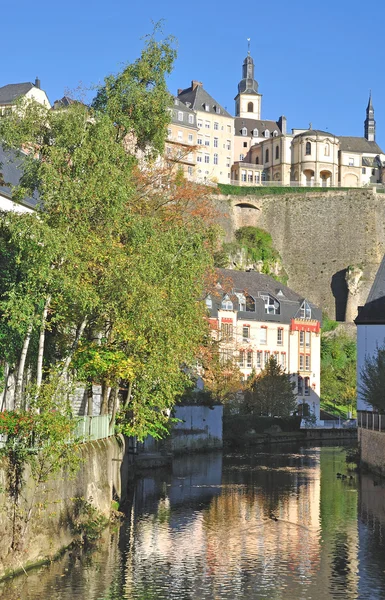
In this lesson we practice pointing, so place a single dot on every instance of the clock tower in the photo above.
(248, 100)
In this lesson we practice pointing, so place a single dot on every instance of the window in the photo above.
(241, 359)
(190, 170)
(190, 138)
(307, 362)
(246, 333)
(267, 156)
(259, 359)
(267, 357)
(307, 386)
(225, 356)
(191, 119)
(244, 131)
(307, 338)
(243, 175)
(300, 386)
(277, 152)
(250, 303)
(308, 148)
(216, 125)
(301, 339)
(351, 162)
(363, 171)
(279, 336)
(180, 115)
(255, 132)
(272, 306)
(200, 141)
(207, 140)
(199, 157)
(327, 149)
(215, 142)
(301, 362)
(207, 158)
(245, 144)
(373, 171)
(226, 303)
(228, 128)
(169, 132)
(257, 178)
(241, 156)
(209, 302)
(263, 335)
(257, 160)
(215, 159)
(283, 360)
(200, 123)
(180, 136)
(207, 124)
(226, 332)
(228, 144)
(228, 161)
(266, 133)
(305, 311)
(250, 176)
(207, 107)
(250, 107)
(275, 133)
(249, 360)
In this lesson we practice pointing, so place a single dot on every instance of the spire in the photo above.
(248, 46)
(370, 123)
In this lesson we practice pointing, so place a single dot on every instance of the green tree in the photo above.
(271, 392)
(338, 368)
(372, 384)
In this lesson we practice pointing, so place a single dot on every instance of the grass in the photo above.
(236, 190)
(340, 410)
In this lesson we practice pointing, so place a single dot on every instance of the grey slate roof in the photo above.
(11, 92)
(199, 99)
(10, 173)
(179, 106)
(358, 144)
(373, 312)
(251, 124)
(315, 132)
(254, 283)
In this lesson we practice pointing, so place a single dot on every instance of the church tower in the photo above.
(369, 123)
(248, 101)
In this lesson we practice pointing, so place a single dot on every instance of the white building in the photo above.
(370, 328)
(261, 318)
(12, 92)
(10, 172)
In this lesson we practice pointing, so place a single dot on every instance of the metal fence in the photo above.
(370, 420)
(94, 428)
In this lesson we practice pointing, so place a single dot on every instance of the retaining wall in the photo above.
(199, 428)
(372, 445)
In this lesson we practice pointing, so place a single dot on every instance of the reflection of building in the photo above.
(370, 327)
(260, 318)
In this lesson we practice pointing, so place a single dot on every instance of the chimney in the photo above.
(282, 124)
(195, 84)
(180, 91)
(37, 83)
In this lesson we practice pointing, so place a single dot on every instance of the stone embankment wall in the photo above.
(100, 479)
(319, 235)
(372, 444)
(199, 428)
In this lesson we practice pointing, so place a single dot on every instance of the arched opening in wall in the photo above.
(277, 177)
(340, 292)
(250, 107)
(246, 214)
(309, 176)
(326, 178)
(350, 180)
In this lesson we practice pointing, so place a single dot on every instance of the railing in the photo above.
(367, 419)
(379, 187)
(94, 428)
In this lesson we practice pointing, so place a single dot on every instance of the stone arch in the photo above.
(350, 180)
(246, 213)
(250, 107)
(326, 177)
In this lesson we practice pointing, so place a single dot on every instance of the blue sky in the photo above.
(315, 62)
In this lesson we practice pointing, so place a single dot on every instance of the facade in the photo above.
(10, 173)
(214, 155)
(370, 327)
(260, 318)
(182, 139)
(10, 93)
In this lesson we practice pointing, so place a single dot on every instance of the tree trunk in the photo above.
(104, 404)
(3, 395)
(79, 334)
(40, 355)
(128, 395)
(90, 397)
(21, 368)
(113, 404)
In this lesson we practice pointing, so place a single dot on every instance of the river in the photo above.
(273, 525)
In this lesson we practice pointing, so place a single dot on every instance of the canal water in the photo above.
(274, 525)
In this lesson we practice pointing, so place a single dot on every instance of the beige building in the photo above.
(261, 318)
(180, 148)
(214, 155)
(9, 94)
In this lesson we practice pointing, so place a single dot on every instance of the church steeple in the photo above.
(370, 123)
(245, 104)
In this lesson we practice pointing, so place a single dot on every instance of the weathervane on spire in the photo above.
(248, 46)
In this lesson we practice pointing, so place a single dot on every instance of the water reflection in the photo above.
(277, 525)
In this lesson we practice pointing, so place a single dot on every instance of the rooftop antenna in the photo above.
(248, 46)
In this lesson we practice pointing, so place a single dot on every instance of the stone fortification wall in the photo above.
(101, 478)
(319, 235)
(372, 445)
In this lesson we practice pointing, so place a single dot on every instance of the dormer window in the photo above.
(266, 133)
(244, 131)
(305, 310)
(255, 132)
(209, 302)
(207, 107)
(272, 306)
(241, 300)
(275, 133)
(226, 303)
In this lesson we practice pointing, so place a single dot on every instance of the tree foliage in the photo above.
(271, 392)
(338, 368)
(372, 388)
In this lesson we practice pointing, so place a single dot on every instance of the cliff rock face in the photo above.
(319, 235)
